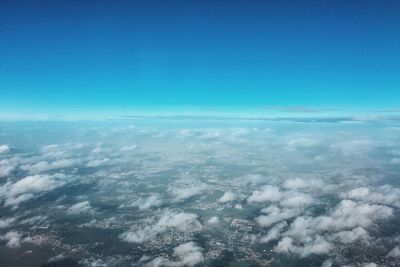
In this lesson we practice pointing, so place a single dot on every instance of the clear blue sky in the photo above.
(110, 54)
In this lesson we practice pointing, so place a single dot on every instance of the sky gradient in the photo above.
(61, 55)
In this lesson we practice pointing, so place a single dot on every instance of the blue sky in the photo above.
(61, 55)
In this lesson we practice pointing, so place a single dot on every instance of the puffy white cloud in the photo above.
(301, 142)
(13, 239)
(317, 246)
(129, 148)
(213, 220)
(370, 264)
(7, 222)
(7, 166)
(345, 224)
(227, 197)
(285, 245)
(347, 215)
(394, 253)
(328, 263)
(266, 193)
(249, 180)
(44, 166)
(80, 208)
(147, 203)
(180, 221)
(350, 214)
(275, 214)
(4, 149)
(97, 162)
(294, 199)
(187, 254)
(353, 147)
(294, 184)
(385, 194)
(290, 199)
(57, 258)
(395, 161)
(29, 187)
(273, 233)
(185, 192)
(351, 236)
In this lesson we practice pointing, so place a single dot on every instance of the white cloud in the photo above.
(129, 148)
(7, 166)
(294, 199)
(249, 180)
(291, 199)
(179, 221)
(294, 184)
(351, 236)
(370, 264)
(185, 192)
(273, 233)
(4, 149)
(347, 215)
(79, 208)
(285, 245)
(394, 253)
(7, 222)
(13, 239)
(395, 161)
(227, 197)
(275, 214)
(328, 263)
(213, 220)
(147, 203)
(267, 193)
(301, 142)
(353, 147)
(385, 194)
(187, 254)
(97, 162)
(29, 187)
(44, 166)
(318, 246)
(345, 224)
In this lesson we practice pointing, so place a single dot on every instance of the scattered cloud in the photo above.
(4, 149)
(182, 193)
(147, 203)
(7, 222)
(227, 197)
(80, 208)
(187, 254)
(180, 221)
(97, 162)
(275, 214)
(44, 166)
(394, 253)
(274, 233)
(7, 166)
(385, 194)
(290, 199)
(13, 239)
(301, 142)
(28, 188)
(213, 220)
